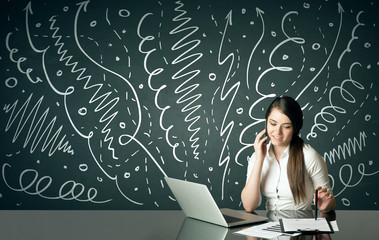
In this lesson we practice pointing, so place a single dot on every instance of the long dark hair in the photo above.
(296, 165)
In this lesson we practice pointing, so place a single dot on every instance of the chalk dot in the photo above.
(239, 111)
(369, 66)
(345, 202)
(93, 23)
(136, 189)
(83, 167)
(259, 68)
(210, 169)
(65, 9)
(251, 22)
(59, 73)
(306, 5)
(117, 58)
(1, 195)
(82, 111)
(244, 36)
(243, 10)
(127, 175)
(99, 179)
(136, 169)
(272, 84)
(316, 46)
(140, 86)
(367, 117)
(312, 69)
(273, 33)
(11, 82)
(236, 183)
(240, 124)
(38, 161)
(204, 35)
(367, 45)
(109, 44)
(65, 167)
(315, 89)
(124, 31)
(331, 24)
(38, 25)
(123, 13)
(122, 125)
(285, 57)
(370, 162)
(212, 76)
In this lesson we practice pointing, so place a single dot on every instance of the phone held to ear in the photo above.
(265, 135)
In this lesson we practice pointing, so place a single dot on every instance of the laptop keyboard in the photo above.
(230, 219)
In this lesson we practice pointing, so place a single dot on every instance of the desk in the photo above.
(106, 225)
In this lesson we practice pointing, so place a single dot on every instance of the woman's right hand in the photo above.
(260, 145)
(251, 193)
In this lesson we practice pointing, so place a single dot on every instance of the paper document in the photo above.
(266, 230)
(294, 225)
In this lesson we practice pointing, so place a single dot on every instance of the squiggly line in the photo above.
(273, 67)
(226, 130)
(70, 190)
(346, 184)
(353, 38)
(83, 6)
(182, 89)
(157, 91)
(329, 117)
(347, 148)
(35, 127)
(19, 61)
(297, 40)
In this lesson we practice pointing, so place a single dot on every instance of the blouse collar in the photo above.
(270, 151)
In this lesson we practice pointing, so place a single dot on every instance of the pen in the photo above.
(316, 198)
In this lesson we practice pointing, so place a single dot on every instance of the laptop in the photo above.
(197, 202)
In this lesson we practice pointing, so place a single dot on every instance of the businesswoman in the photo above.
(286, 171)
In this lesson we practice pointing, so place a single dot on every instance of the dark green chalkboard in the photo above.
(102, 99)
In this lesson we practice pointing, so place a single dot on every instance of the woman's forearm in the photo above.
(251, 194)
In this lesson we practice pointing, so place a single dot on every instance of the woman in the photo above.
(286, 171)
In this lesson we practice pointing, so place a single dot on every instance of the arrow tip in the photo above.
(259, 11)
(84, 4)
(229, 17)
(28, 8)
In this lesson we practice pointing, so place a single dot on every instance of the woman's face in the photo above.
(279, 128)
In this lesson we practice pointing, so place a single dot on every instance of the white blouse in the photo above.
(274, 181)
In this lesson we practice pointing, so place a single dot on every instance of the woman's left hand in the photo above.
(326, 201)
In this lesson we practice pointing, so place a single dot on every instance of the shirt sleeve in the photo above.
(316, 167)
(250, 165)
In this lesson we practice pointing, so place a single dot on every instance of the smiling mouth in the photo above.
(276, 137)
